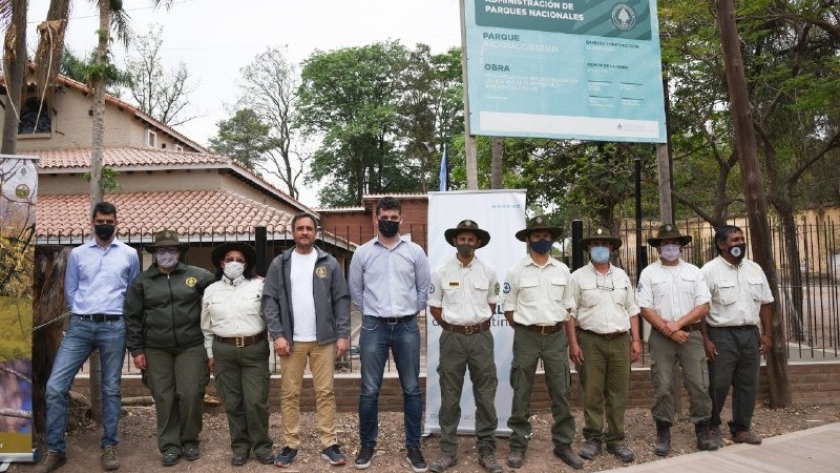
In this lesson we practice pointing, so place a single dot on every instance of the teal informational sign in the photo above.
(579, 69)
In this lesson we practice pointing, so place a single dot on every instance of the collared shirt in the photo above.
(672, 291)
(738, 292)
(601, 303)
(535, 293)
(96, 278)
(389, 282)
(229, 310)
(464, 293)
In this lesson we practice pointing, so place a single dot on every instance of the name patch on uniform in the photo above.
(191, 281)
(454, 283)
(321, 272)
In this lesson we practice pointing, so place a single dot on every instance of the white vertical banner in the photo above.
(502, 214)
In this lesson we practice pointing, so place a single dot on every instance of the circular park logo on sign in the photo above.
(623, 16)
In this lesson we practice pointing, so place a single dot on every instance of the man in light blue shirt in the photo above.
(97, 276)
(389, 282)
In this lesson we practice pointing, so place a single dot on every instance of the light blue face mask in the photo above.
(599, 254)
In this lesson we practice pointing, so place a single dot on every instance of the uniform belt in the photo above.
(99, 317)
(466, 329)
(544, 329)
(736, 327)
(691, 328)
(396, 320)
(240, 342)
(608, 336)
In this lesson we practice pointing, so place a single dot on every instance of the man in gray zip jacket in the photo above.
(307, 310)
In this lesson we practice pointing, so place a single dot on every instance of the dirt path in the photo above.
(138, 452)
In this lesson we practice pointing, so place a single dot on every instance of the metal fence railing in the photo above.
(808, 287)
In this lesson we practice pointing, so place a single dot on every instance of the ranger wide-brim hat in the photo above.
(600, 233)
(538, 223)
(247, 250)
(668, 232)
(167, 238)
(467, 226)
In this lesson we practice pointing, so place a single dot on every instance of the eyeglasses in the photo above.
(234, 260)
(166, 251)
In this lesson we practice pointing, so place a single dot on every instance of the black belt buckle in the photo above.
(393, 320)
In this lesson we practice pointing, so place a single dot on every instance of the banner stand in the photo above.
(18, 192)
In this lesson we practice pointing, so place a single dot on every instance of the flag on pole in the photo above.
(443, 173)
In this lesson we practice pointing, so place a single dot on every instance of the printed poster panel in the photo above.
(18, 190)
(502, 214)
(577, 69)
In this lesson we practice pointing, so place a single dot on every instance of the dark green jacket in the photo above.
(164, 311)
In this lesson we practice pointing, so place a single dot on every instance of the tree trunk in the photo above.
(14, 63)
(496, 164)
(752, 183)
(794, 273)
(97, 151)
(47, 304)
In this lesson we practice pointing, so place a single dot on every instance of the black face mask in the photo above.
(388, 228)
(738, 251)
(104, 231)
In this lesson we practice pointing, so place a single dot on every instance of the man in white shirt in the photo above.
(741, 299)
(674, 299)
(307, 310)
(462, 299)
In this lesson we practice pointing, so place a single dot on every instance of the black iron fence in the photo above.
(809, 293)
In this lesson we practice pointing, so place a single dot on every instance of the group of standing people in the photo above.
(181, 323)
(714, 323)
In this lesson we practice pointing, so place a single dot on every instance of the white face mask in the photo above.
(670, 252)
(166, 260)
(233, 269)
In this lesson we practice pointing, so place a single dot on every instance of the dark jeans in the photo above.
(403, 340)
(736, 365)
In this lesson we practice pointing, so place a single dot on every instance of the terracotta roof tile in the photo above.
(195, 214)
(124, 157)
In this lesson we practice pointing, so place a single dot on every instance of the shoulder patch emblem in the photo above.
(190, 281)
(431, 289)
(639, 287)
(506, 288)
(496, 289)
(321, 272)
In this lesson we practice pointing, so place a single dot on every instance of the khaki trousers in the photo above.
(321, 360)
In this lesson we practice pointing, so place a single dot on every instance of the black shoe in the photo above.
(364, 457)
(333, 455)
(516, 458)
(192, 453)
(265, 458)
(568, 456)
(414, 457)
(239, 460)
(622, 452)
(169, 459)
(285, 457)
(591, 448)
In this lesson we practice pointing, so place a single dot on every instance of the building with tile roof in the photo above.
(166, 180)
